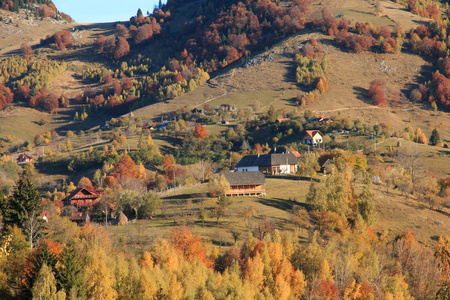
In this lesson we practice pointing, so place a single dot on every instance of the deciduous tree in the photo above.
(200, 131)
(377, 92)
(26, 50)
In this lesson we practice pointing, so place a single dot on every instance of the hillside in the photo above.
(266, 79)
(117, 141)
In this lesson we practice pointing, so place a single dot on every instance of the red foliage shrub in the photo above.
(107, 77)
(384, 32)
(376, 92)
(63, 39)
(232, 54)
(60, 40)
(422, 31)
(330, 22)
(6, 96)
(121, 31)
(26, 50)
(151, 88)
(66, 17)
(433, 11)
(117, 88)
(130, 98)
(33, 102)
(178, 78)
(174, 65)
(121, 49)
(45, 11)
(440, 90)
(146, 32)
(100, 43)
(97, 100)
(49, 102)
(127, 83)
(22, 93)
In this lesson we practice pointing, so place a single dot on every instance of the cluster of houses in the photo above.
(248, 178)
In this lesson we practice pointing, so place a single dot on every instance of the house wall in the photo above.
(247, 169)
(241, 190)
(316, 140)
(293, 168)
(285, 169)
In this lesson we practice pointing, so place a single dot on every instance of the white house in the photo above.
(313, 137)
(272, 163)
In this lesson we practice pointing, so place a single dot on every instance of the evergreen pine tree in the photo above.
(435, 138)
(23, 202)
(70, 272)
(366, 205)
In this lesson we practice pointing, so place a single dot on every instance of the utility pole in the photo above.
(203, 171)
(174, 182)
(106, 215)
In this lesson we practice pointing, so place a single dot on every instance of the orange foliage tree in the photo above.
(376, 92)
(190, 246)
(26, 50)
(125, 167)
(6, 96)
(86, 183)
(200, 131)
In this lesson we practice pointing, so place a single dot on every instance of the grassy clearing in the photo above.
(435, 159)
(178, 211)
(396, 214)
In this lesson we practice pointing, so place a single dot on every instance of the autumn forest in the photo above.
(252, 149)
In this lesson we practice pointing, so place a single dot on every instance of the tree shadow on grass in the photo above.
(183, 197)
(279, 203)
(360, 93)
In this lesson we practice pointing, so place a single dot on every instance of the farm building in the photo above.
(272, 163)
(313, 137)
(24, 159)
(246, 184)
(81, 198)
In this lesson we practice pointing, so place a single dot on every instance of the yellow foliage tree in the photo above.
(99, 277)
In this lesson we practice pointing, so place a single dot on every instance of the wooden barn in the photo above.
(252, 183)
(24, 159)
(81, 198)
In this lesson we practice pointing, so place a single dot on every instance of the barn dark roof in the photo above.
(271, 159)
(86, 195)
(241, 178)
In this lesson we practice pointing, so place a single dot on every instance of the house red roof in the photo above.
(296, 153)
(81, 197)
(23, 158)
(44, 216)
(280, 120)
(311, 133)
